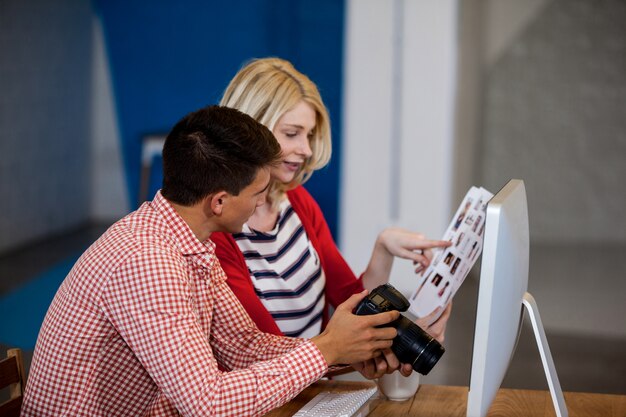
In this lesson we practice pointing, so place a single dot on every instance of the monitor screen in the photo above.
(503, 283)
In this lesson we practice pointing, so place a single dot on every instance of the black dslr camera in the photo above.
(412, 344)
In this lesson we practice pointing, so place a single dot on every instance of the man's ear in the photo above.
(216, 202)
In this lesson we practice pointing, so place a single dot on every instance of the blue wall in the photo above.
(169, 58)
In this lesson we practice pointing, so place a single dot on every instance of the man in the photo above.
(144, 319)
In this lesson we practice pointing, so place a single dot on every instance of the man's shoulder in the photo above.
(133, 236)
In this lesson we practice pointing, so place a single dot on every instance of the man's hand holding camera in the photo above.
(377, 345)
(349, 338)
(389, 363)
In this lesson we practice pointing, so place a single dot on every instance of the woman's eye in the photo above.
(291, 134)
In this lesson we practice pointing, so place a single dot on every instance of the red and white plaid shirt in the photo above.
(141, 323)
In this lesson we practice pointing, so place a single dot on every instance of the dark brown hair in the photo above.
(215, 149)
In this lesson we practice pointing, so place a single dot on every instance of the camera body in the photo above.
(412, 344)
(380, 299)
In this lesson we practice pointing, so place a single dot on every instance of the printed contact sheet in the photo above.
(450, 265)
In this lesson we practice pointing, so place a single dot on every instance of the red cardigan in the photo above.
(341, 282)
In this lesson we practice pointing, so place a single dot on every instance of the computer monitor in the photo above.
(502, 297)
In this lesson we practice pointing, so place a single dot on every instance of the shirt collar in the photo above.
(188, 243)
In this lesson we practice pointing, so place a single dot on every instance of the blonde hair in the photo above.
(266, 89)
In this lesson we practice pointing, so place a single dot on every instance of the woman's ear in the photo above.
(216, 202)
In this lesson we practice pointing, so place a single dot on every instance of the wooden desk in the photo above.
(440, 401)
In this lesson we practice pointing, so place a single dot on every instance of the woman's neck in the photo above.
(264, 218)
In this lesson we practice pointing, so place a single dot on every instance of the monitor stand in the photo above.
(546, 357)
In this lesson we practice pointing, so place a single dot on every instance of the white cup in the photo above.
(398, 387)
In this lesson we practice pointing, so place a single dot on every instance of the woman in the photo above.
(285, 266)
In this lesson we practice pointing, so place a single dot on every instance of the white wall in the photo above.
(504, 20)
(109, 200)
(399, 98)
(553, 114)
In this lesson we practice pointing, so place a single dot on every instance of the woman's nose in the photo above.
(305, 147)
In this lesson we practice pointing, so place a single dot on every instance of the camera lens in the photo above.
(413, 345)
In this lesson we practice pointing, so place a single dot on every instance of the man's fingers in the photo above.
(381, 365)
(382, 333)
(392, 361)
(406, 369)
(369, 369)
(384, 344)
(382, 318)
(354, 300)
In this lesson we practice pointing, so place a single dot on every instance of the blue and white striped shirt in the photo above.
(286, 273)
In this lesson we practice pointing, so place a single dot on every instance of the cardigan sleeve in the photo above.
(238, 279)
(341, 282)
